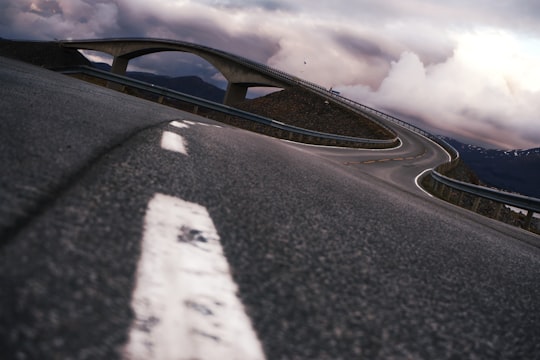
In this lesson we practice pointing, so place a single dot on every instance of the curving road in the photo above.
(333, 253)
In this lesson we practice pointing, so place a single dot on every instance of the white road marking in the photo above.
(185, 300)
(418, 185)
(179, 124)
(189, 122)
(173, 142)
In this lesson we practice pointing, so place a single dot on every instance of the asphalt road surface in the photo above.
(329, 253)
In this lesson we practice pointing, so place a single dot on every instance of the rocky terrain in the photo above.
(299, 107)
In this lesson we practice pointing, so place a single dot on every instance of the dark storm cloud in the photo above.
(361, 47)
(268, 5)
(50, 19)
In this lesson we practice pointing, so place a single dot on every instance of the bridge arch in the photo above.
(240, 73)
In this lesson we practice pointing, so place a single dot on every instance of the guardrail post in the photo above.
(435, 186)
(460, 199)
(476, 204)
(443, 189)
(195, 109)
(498, 211)
(160, 99)
(528, 219)
(447, 196)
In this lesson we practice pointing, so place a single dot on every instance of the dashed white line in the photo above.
(185, 300)
(189, 122)
(173, 142)
(179, 124)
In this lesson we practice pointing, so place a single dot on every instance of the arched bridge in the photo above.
(240, 73)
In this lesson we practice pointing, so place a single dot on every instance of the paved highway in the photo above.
(132, 230)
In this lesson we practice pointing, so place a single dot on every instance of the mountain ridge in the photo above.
(511, 170)
(191, 85)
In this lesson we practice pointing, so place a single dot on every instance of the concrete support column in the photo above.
(235, 94)
(119, 67)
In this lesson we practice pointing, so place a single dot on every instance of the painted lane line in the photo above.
(179, 124)
(173, 142)
(185, 300)
(383, 160)
(418, 185)
(209, 125)
(189, 122)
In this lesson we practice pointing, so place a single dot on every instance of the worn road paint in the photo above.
(179, 124)
(173, 142)
(185, 300)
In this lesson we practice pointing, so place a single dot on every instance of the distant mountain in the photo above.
(192, 85)
(511, 170)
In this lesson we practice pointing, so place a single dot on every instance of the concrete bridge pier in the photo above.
(119, 67)
(235, 93)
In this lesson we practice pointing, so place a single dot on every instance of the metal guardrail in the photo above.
(161, 91)
(517, 200)
(531, 204)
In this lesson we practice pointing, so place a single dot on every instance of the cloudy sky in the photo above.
(465, 68)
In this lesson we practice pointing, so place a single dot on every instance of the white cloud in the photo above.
(423, 58)
(480, 92)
